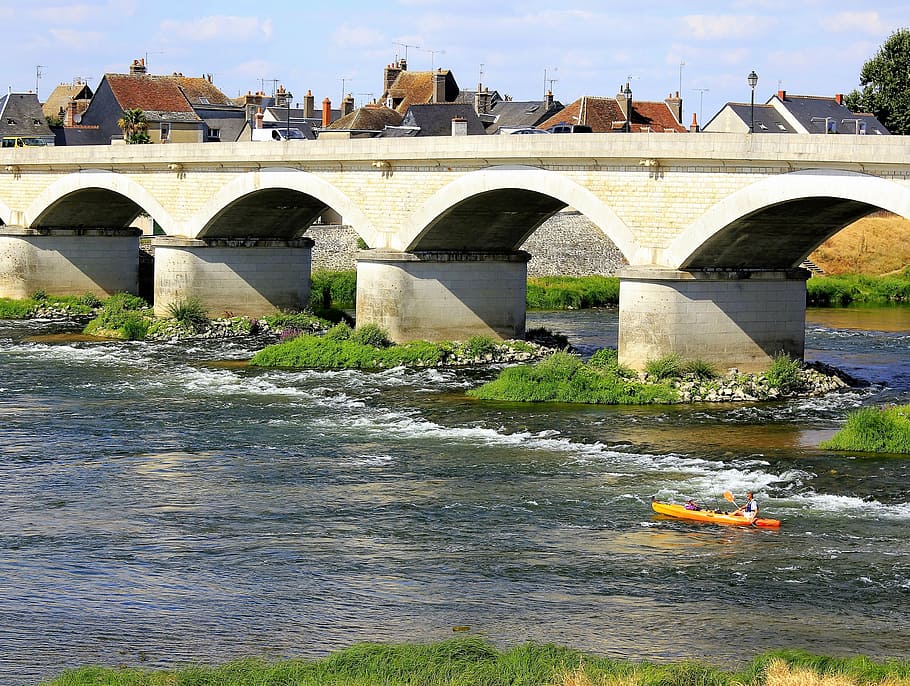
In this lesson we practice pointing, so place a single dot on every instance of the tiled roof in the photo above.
(604, 115)
(21, 115)
(200, 91)
(435, 119)
(152, 94)
(416, 88)
(371, 118)
(520, 115)
(60, 98)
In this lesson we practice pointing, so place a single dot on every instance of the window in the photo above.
(165, 131)
(215, 134)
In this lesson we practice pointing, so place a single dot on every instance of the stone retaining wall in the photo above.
(567, 244)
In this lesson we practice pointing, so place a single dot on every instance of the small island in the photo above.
(874, 430)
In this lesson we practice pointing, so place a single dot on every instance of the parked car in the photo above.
(570, 128)
(524, 130)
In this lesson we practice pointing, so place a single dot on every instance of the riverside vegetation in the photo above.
(874, 430)
(473, 662)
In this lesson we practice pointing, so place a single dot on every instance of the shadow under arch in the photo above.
(276, 203)
(499, 207)
(775, 223)
(94, 199)
(5, 213)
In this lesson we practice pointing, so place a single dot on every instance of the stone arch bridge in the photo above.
(713, 226)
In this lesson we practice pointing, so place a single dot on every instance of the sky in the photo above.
(704, 50)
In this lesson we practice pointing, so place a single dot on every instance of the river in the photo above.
(165, 504)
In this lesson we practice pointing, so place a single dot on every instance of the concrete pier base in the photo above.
(249, 277)
(731, 318)
(439, 296)
(68, 261)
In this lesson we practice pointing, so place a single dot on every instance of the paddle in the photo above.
(729, 496)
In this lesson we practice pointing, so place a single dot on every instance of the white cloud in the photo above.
(220, 28)
(865, 22)
(348, 36)
(84, 12)
(75, 40)
(720, 26)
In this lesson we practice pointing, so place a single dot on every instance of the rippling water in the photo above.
(161, 506)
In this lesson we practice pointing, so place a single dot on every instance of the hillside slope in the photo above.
(877, 244)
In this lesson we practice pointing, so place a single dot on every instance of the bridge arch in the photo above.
(499, 207)
(775, 223)
(93, 199)
(281, 202)
(5, 213)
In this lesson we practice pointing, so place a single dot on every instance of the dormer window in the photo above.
(203, 101)
(762, 126)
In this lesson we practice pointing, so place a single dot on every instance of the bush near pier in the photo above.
(874, 430)
(474, 662)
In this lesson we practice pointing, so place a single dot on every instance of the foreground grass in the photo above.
(874, 430)
(473, 662)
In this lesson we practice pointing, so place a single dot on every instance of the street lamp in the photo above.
(753, 81)
(288, 132)
(628, 93)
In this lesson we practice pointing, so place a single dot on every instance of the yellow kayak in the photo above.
(711, 516)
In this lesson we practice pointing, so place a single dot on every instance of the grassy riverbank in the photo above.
(844, 289)
(874, 430)
(473, 662)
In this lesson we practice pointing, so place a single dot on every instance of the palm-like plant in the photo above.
(134, 125)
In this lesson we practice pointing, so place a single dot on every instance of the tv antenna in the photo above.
(38, 75)
(344, 80)
(433, 54)
(701, 97)
(546, 80)
(406, 46)
(274, 83)
(152, 52)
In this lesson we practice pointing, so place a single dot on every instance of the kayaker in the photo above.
(692, 505)
(749, 509)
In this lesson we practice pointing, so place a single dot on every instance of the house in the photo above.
(278, 112)
(735, 117)
(178, 109)
(786, 113)
(22, 122)
(403, 88)
(438, 119)
(501, 115)
(368, 121)
(67, 101)
(608, 115)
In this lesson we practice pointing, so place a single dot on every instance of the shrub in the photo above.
(119, 316)
(874, 430)
(563, 377)
(339, 332)
(543, 336)
(16, 309)
(785, 374)
(478, 347)
(90, 300)
(371, 334)
(700, 369)
(666, 367)
(296, 321)
(40, 295)
(190, 312)
(134, 326)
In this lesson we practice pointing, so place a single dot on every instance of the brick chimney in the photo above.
(71, 111)
(138, 67)
(459, 126)
(326, 112)
(694, 127)
(782, 95)
(674, 102)
(309, 105)
(548, 101)
(347, 105)
(259, 117)
(839, 98)
(482, 100)
(391, 73)
(439, 86)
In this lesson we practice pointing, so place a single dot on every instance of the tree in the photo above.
(885, 81)
(135, 126)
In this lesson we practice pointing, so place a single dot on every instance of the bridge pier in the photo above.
(443, 295)
(68, 261)
(731, 318)
(249, 277)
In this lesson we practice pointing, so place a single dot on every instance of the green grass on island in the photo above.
(369, 347)
(844, 289)
(874, 430)
(474, 662)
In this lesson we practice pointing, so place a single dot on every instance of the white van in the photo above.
(278, 134)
